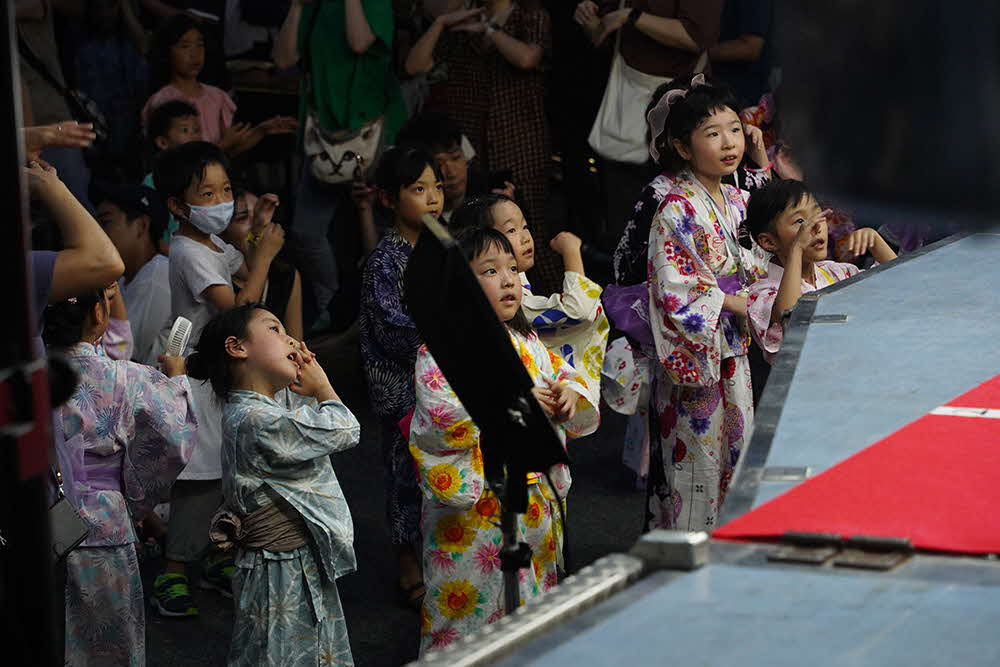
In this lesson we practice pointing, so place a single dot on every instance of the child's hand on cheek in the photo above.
(264, 211)
(312, 379)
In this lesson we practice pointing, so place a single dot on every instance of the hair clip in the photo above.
(72, 299)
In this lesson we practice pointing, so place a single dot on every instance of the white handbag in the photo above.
(343, 156)
(619, 131)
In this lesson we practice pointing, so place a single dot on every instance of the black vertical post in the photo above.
(26, 574)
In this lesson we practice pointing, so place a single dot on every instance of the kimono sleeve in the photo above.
(587, 417)
(287, 439)
(685, 300)
(393, 328)
(117, 340)
(444, 441)
(760, 302)
(165, 435)
(578, 303)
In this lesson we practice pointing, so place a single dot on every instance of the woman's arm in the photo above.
(519, 54)
(359, 33)
(286, 47)
(421, 56)
(89, 260)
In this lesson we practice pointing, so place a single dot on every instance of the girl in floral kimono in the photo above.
(627, 360)
(571, 323)
(283, 507)
(124, 436)
(698, 279)
(461, 516)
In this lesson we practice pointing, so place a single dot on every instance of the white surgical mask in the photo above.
(211, 219)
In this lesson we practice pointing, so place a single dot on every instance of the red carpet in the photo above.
(936, 481)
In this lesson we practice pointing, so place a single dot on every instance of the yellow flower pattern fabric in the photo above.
(461, 516)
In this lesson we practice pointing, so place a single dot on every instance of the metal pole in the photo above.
(26, 575)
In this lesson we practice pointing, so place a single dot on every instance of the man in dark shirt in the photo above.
(741, 58)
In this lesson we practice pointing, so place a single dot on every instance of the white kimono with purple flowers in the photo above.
(126, 433)
(703, 397)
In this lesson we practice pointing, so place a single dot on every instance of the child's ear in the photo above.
(178, 208)
(766, 241)
(142, 226)
(161, 143)
(235, 348)
(681, 148)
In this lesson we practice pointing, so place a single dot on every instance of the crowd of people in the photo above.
(151, 209)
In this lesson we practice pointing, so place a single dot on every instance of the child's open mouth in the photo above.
(730, 160)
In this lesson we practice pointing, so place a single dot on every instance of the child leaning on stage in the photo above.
(461, 516)
(283, 506)
(193, 180)
(784, 218)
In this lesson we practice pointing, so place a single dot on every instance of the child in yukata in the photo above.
(410, 186)
(572, 323)
(784, 218)
(283, 506)
(124, 436)
(193, 180)
(698, 279)
(461, 516)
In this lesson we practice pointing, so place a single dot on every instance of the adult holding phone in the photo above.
(350, 104)
(654, 41)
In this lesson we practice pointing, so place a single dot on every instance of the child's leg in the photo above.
(192, 505)
(105, 617)
(287, 611)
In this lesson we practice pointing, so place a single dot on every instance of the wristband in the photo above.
(254, 239)
(633, 16)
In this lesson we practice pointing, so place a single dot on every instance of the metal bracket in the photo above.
(786, 473)
(829, 319)
(861, 551)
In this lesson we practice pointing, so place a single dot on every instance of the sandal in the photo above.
(411, 597)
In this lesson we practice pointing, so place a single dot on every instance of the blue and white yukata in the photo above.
(288, 611)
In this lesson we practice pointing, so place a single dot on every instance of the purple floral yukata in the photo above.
(127, 432)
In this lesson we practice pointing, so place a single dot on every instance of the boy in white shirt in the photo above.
(134, 218)
(194, 182)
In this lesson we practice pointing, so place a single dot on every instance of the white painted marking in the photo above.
(950, 411)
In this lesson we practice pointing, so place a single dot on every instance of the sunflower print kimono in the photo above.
(461, 517)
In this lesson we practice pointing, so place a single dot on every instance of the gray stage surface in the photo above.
(919, 331)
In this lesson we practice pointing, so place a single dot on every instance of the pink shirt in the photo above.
(214, 106)
(760, 301)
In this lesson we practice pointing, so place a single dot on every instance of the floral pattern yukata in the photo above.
(702, 393)
(626, 365)
(288, 611)
(461, 517)
(572, 324)
(389, 343)
(127, 432)
(763, 293)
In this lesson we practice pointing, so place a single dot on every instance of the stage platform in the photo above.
(861, 360)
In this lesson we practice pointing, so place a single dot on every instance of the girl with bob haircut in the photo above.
(698, 279)
(461, 516)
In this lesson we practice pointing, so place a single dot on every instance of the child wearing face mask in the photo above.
(194, 182)
(461, 514)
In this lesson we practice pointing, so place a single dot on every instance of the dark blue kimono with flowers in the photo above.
(389, 344)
